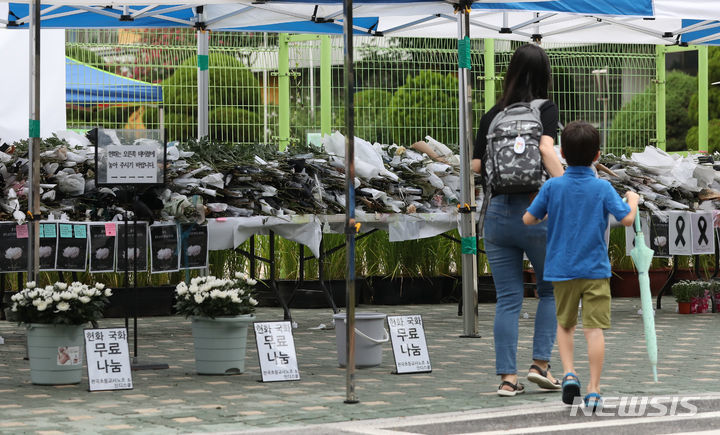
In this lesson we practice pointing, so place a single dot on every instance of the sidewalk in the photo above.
(463, 376)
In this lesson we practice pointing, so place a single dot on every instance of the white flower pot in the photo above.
(55, 353)
(220, 344)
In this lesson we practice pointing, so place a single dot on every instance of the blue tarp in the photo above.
(88, 85)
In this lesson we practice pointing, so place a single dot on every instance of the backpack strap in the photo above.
(538, 103)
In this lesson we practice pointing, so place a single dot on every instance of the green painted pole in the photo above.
(325, 84)
(284, 90)
(660, 97)
(489, 73)
(703, 85)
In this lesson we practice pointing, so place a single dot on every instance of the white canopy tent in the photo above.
(625, 21)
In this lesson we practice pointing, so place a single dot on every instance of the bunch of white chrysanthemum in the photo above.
(60, 303)
(210, 296)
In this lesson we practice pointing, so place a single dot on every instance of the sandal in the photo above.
(593, 400)
(570, 388)
(516, 389)
(541, 378)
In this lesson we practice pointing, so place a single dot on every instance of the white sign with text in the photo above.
(108, 359)
(630, 234)
(276, 351)
(135, 164)
(407, 336)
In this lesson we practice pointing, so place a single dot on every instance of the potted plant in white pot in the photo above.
(55, 316)
(221, 311)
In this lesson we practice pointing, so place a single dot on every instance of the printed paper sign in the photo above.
(13, 251)
(659, 235)
(132, 248)
(407, 336)
(703, 234)
(276, 351)
(132, 164)
(108, 359)
(21, 231)
(679, 233)
(68, 356)
(72, 250)
(164, 248)
(193, 246)
(48, 246)
(102, 249)
(630, 234)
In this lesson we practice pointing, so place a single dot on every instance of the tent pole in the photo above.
(703, 85)
(660, 97)
(33, 193)
(350, 396)
(468, 235)
(203, 82)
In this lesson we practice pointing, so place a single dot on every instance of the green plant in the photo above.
(427, 103)
(691, 140)
(209, 296)
(224, 122)
(682, 291)
(232, 84)
(60, 304)
(371, 115)
(633, 125)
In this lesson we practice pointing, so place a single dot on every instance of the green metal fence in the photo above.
(406, 88)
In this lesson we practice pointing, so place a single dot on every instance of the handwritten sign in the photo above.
(21, 231)
(80, 231)
(407, 336)
(49, 230)
(108, 359)
(135, 164)
(110, 229)
(66, 231)
(276, 350)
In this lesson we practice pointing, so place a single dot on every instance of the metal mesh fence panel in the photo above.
(608, 85)
(405, 88)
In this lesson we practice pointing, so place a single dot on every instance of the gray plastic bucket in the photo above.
(370, 334)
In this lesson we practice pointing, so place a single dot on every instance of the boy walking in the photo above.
(577, 206)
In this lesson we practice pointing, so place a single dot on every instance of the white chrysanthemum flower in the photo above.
(56, 297)
(13, 253)
(165, 254)
(45, 251)
(61, 285)
(253, 301)
(66, 295)
(84, 299)
(199, 298)
(251, 281)
(99, 286)
(71, 252)
(108, 292)
(62, 306)
(42, 306)
(30, 284)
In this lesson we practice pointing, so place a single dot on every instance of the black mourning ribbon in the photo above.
(680, 227)
(702, 226)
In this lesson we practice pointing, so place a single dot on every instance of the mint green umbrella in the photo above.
(642, 257)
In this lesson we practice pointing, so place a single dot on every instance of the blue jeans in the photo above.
(506, 238)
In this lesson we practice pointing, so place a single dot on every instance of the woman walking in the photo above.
(528, 78)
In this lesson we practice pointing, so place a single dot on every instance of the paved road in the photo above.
(177, 400)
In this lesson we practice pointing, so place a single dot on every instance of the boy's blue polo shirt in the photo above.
(577, 205)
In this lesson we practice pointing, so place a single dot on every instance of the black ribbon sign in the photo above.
(680, 227)
(702, 226)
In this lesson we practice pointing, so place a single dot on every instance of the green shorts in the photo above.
(595, 295)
